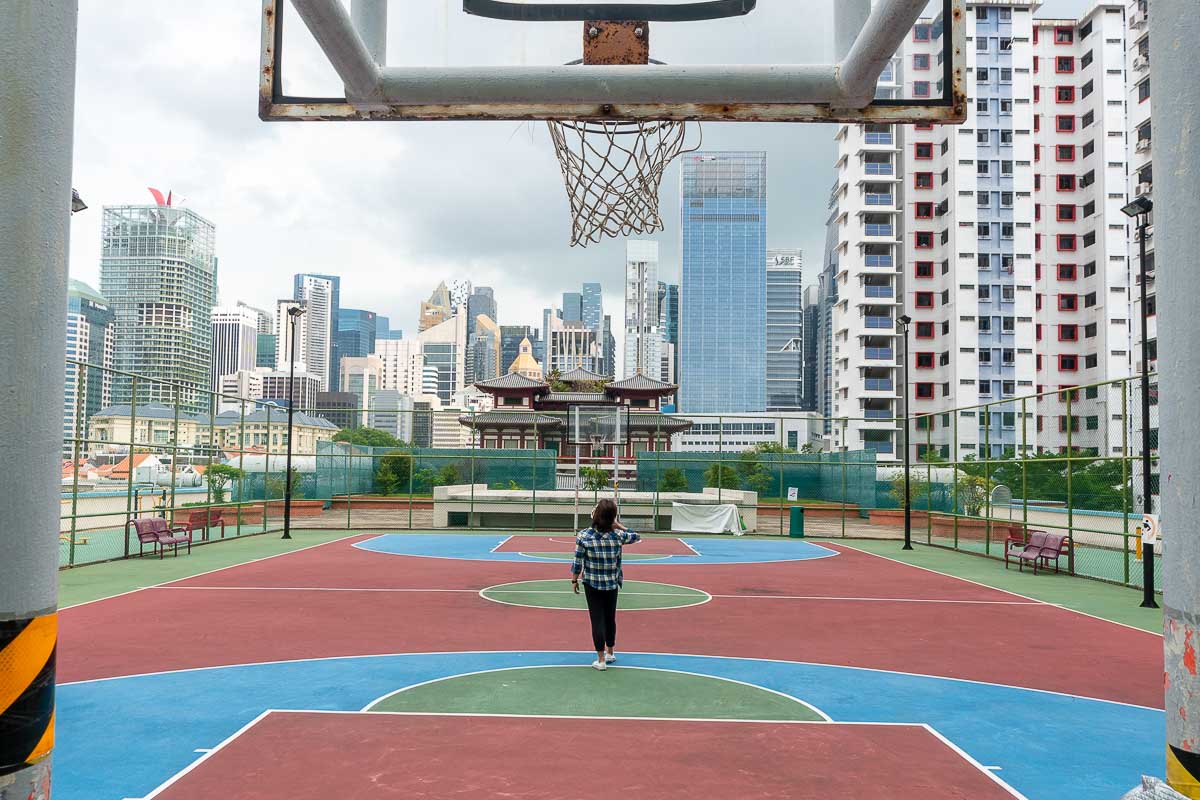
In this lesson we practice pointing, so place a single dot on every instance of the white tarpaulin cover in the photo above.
(706, 519)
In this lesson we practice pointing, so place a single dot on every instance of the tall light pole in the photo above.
(1140, 210)
(904, 321)
(294, 314)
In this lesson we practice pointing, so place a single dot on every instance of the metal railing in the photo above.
(1070, 459)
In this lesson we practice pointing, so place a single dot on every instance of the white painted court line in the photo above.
(825, 717)
(501, 544)
(219, 569)
(970, 760)
(1005, 591)
(178, 775)
(688, 546)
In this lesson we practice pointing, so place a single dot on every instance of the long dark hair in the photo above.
(604, 516)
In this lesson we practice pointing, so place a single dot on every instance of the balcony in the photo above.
(1142, 146)
(878, 413)
(880, 199)
(878, 323)
(880, 354)
(877, 137)
(879, 384)
(879, 261)
(883, 448)
(877, 229)
(876, 168)
(880, 291)
(1141, 63)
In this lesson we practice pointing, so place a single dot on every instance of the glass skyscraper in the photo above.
(158, 270)
(356, 333)
(785, 331)
(723, 298)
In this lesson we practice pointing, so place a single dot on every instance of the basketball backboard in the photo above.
(721, 60)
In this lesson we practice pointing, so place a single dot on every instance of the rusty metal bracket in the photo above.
(611, 42)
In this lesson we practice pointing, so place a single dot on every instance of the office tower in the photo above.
(785, 330)
(340, 408)
(643, 334)
(392, 412)
(572, 307)
(264, 320)
(234, 341)
(812, 327)
(403, 365)
(436, 310)
(483, 351)
(158, 270)
(591, 305)
(722, 315)
(444, 348)
(609, 343)
(267, 343)
(571, 345)
(357, 330)
(285, 348)
(384, 329)
(320, 295)
(91, 342)
(362, 377)
(668, 323)
(511, 337)
(482, 301)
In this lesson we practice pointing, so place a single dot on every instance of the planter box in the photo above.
(895, 516)
(300, 508)
(381, 503)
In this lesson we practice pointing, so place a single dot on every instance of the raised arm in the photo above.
(627, 536)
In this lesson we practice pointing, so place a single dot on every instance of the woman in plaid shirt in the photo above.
(598, 564)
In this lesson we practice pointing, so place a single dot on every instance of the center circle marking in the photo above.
(635, 595)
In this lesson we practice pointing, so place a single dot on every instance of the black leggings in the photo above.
(602, 608)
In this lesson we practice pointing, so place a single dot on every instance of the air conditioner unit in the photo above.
(1143, 189)
(1137, 21)
(1142, 146)
(1141, 63)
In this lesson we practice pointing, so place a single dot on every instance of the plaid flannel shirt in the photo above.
(598, 557)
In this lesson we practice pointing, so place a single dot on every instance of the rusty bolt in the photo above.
(639, 32)
(593, 32)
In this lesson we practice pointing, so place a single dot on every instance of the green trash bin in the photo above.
(796, 528)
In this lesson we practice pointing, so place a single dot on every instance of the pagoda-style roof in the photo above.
(659, 422)
(581, 375)
(513, 380)
(493, 419)
(642, 383)
(577, 397)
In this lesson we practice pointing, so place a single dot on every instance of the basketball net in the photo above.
(613, 171)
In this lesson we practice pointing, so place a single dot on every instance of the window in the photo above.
(920, 88)
(921, 61)
(923, 300)
(1037, 152)
(985, 357)
(981, 44)
(1089, 331)
(923, 211)
(1089, 238)
(923, 240)
(1006, 15)
(1063, 35)
(922, 33)
(985, 387)
(982, 168)
(1064, 152)
(1006, 74)
(981, 136)
(981, 75)
(1143, 90)
(1066, 242)
(981, 106)
(1091, 362)
(1085, 31)
(1037, 303)
(1087, 119)
(1006, 106)
(984, 261)
(1066, 183)
(981, 12)
(1008, 388)
(1037, 182)
(1006, 137)
(985, 324)
(1066, 272)
(925, 330)
(924, 269)
(1089, 269)
(1064, 65)
(1068, 333)
(1087, 88)
(1068, 302)
(924, 391)
(1006, 168)
(1067, 363)
(1008, 324)
(983, 199)
(1065, 212)
(1089, 300)
(983, 229)
(923, 126)
(924, 180)
(1072, 422)
(985, 292)
(1064, 123)
(1005, 44)
(1089, 208)
(1089, 148)
(1006, 230)
(923, 150)
(924, 360)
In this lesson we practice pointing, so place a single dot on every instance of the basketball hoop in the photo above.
(613, 171)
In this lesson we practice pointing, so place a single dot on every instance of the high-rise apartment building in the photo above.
(643, 335)
(785, 330)
(158, 270)
(90, 353)
(722, 319)
(403, 365)
(321, 297)
(1002, 239)
(234, 341)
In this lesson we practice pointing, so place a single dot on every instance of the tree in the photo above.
(721, 476)
(918, 486)
(220, 476)
(972, 494)
(672, 480)
(594, 478)
(367, 437)
(276, 487)
(394, 473)
(448, 475)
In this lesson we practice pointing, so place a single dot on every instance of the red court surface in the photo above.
(301, 755)
(853, 610)
(564, 543)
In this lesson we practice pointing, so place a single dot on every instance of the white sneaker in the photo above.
(600, 665)
(609, 658)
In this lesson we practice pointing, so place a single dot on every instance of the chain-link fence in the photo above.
(1067, 461)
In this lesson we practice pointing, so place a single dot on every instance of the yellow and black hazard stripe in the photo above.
(1183, 771)
(27, 650)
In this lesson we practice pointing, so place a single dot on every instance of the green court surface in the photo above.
(1117, 603)
(558, 594)
(584, 692)
(92, 582)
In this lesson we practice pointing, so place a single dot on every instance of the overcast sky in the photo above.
(167, 96)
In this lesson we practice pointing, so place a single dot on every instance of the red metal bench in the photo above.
(1041, 549)
(154, 531)
(203, 520)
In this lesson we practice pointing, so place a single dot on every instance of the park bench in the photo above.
(1041, 549)
(154, 531)
(203, 520)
